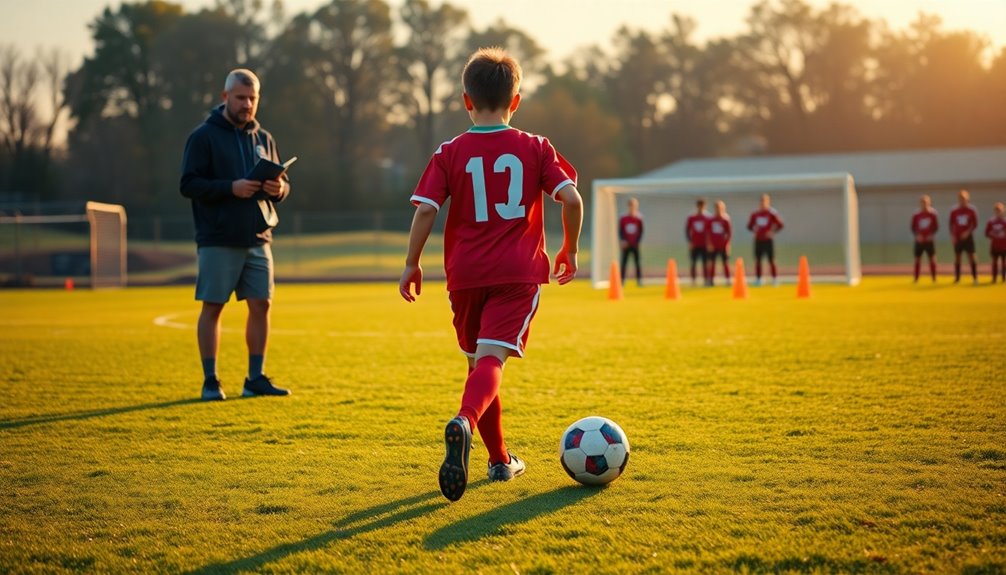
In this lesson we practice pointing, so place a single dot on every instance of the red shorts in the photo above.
(498, 315)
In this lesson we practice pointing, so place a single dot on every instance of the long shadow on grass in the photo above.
(370, 519)
(492, 521)
(79, 415)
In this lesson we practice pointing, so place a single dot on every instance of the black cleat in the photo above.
(262, 385)
(506, 471)
(454, 471)
(212, 390)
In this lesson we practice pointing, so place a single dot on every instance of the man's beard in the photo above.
(239, 116)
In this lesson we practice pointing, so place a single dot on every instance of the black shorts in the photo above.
(698, 253)
(719, 254)
(764, 248)
(997, 253)
(967, 245)
(924, 248)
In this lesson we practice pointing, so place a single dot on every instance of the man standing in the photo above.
(234, 218)
(696, 230)
(764, 223)
(630, 232)
(963, 221)
(925, 223)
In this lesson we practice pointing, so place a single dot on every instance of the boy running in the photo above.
(494, 250)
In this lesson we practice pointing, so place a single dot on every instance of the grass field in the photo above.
(863, 430)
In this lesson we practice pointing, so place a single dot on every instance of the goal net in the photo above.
(47, 249)
(819, 214)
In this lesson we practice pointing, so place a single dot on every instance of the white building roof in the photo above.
(954, 167)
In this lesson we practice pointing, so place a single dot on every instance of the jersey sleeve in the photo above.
(556, 171)
(432, 186)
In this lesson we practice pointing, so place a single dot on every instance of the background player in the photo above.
(995, 231)
(630, 233)
(696, 228)
(765, 223)
(925, 224)
(963, 221)
(494, 250)
(720, 232)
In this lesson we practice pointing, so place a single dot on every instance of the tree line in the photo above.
(363, 91)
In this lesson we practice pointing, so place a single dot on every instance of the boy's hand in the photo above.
(567, 262)
(413, 274)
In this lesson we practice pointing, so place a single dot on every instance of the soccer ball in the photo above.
(594, 450)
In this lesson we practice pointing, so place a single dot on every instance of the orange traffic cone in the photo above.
(68, 284)
(803, 282)
(614, 283)
(740, 281)
(672, 291)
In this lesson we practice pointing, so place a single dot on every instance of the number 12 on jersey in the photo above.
(512, 209)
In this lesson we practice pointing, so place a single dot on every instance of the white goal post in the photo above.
(820, 214)
(48, 249)
(108, 244)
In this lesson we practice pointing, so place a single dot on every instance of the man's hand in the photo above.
(565, 266)
(245, 188)
(413, 274)
(274, 188)
(623, 244)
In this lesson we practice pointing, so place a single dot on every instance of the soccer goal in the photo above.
(819, 214)
(45, 249)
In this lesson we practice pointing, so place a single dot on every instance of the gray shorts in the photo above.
(225, 270)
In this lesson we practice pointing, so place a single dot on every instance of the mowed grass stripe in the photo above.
(862, 430)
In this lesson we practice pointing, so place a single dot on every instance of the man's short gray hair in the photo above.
(241, 76)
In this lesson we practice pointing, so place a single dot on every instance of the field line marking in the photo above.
(168, 320)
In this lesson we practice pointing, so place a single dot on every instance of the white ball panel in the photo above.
(615, 455)
(593, 443)
(576, 460)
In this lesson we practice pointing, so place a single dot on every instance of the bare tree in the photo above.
(18, 114)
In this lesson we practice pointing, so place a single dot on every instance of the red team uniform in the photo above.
(764, 223)
(963, 219)
(494, 238)
(720, 232)
(630, 231)
(995, 231)
(925, 224)
(696, 232)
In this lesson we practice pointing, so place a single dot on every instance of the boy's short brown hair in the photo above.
(491, 78)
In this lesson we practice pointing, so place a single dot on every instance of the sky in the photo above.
(560, 26)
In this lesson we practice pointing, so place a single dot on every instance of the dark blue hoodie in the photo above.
(216, 154)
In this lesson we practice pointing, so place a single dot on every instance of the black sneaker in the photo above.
(212, 390)
(506, 471)
(454, 471)
(262, 385)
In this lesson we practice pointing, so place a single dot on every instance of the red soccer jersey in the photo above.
(720, 232)
(963, 221)
(696, 228)
(764, 223)
(995, 230)
(630, 229)
(925, 224)
(495, 177)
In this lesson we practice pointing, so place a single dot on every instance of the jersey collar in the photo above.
(488, 129)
